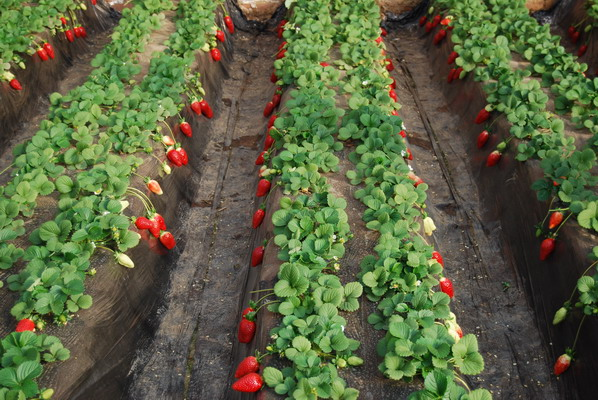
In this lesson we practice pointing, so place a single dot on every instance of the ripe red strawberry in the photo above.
(423, 20)
(160, 221)
(186, 129)
(273, 77)
(482, 116)
(403, 134)
(457, 74)
(555, 219)
(258, 218)
(436, 256)
(263, 187)
(220, 35)
(228, 21)
(452, 57)
(276, 99)
(483, 138)
(143, 223)
(409, 155)
(429, 27)
(575, 37)
(216, 56)
(43, 54)
(389, 65)
(257, 256)
(394, 112)
(247, 311)
(196, 107)
(154, 228)
(174, 156)
(446, 286)
(268, 109)
(282, 44)
(249, 383)
(206, 110)
(562, 364)
(451, 75)
(546, 248)
(260, 159)
(154, 187)
(436, 20)
(393, 85)
(63, 20)
(15, 84)
(248, 365)
(378, 39)
(94, 2)
(70, 35)
(268, 142)
(77, 31)
(246, 330)
(281, 54)
(393, 95)
(167, 140)
(324, 64)
(184, 156)
(439, 36)
(445, 21)
(280, 28)
(49, 49)
(167, 240)
(25, 325)
(582, 50)
(493, 158)
(272, 120)
(383, 31)
(571, 30)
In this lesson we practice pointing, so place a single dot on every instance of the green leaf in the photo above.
(28, 370)
(302, 344)
(272, 376)
(480, 394)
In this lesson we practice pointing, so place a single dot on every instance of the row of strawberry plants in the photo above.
(310, 227)
(485, 48)
(52, 281)
(422, 335)
(65, 142)
(540, 134)
(24, 27)
(557, 69)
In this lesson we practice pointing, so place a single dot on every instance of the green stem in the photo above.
(6, 169)
(548, 213)
(578, 331)
(261, 290)
(462, 382)
(265, 296)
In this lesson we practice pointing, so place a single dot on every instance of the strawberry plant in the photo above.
(23, 354)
